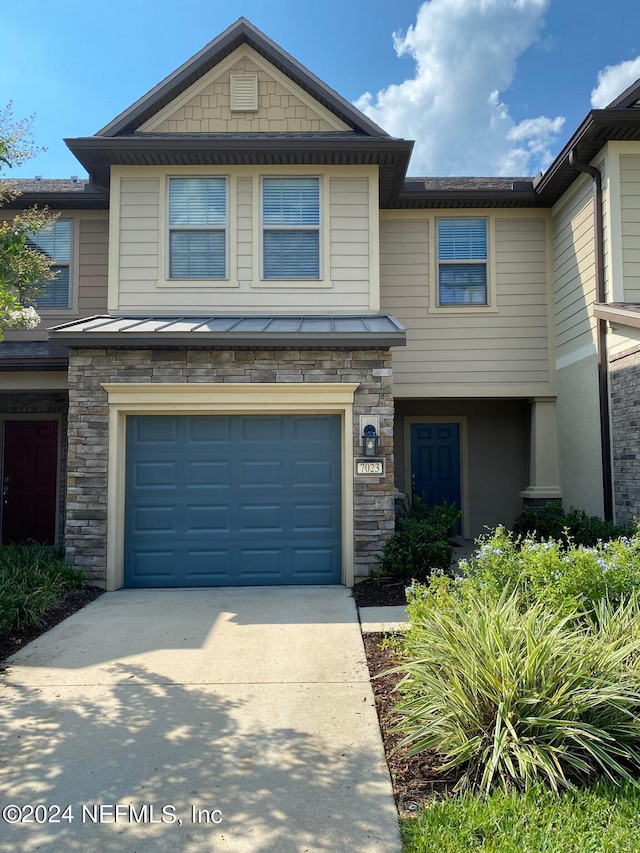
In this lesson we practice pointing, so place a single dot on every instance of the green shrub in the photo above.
(515, 696)
(562, 577)
(32, 580)
(421, 542)
(571, 527)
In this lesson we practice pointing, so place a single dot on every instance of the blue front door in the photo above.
(435, 462)
(232, 500)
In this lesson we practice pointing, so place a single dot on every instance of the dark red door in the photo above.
(29, 481)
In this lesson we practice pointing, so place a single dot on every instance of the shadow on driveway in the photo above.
(285, 759)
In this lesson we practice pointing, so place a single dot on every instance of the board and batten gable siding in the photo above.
(349, 281)
(283, 107)
(504, 350)
(630, 226)
(574, 268)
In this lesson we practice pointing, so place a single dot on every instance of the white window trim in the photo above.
(321, 228)
(168, 281)
(434, 268)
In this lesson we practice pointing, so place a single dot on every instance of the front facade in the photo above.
(263, 331)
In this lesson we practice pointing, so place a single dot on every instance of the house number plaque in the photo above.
(370, 467)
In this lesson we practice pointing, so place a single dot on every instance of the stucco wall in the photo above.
(578, 418)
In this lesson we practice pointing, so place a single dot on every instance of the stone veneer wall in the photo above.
(625, 433)
(43, 403)
(88, 427)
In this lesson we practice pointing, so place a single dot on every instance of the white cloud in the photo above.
(465, 54)
(613, 81)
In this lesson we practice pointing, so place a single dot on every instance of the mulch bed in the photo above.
(73, 600)
(416, 779)
(376, 592)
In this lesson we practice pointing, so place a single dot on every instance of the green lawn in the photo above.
(603, 819)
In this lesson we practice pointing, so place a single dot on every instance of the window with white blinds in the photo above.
(198, 228)
(291, 228)
(462, 261)
(54, 241)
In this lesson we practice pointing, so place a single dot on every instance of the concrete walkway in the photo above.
(383, 619)
(246, 715)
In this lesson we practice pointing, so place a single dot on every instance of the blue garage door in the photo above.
(232, 501)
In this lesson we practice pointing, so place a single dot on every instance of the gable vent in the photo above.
(244, 92)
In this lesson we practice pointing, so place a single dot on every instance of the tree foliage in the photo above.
(22, 266)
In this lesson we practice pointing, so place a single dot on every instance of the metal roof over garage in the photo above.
(222, 331)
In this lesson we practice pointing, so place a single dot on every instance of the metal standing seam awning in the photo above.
(361, 331)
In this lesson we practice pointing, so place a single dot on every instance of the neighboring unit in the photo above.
(262, 329)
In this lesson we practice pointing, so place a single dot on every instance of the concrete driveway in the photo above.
(196, 720)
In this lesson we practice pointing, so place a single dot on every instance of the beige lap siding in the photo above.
(630, 226)
(471, 350)
(348, 281)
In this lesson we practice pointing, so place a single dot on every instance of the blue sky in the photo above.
(486, 87)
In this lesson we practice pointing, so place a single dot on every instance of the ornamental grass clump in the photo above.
(513, 696)
(33, 578)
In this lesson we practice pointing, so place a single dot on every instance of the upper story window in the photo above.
(55, 241)
(198, 227)
(291, 228)
(462, 262)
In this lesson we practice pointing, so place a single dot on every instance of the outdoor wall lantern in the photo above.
(370, 441)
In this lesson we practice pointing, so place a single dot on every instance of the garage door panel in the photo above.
(154, 474)
(155, 430)
(159, 519)
(314, 517)
(311, 561)
(157, 567)
(209, 430)
(211, 519)
(261, 518)
(309, 474)
(225, 500)
(205, 474)
(206, 567)
(258, 430)
(261, 472)
(260, 565)
(312, 430)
